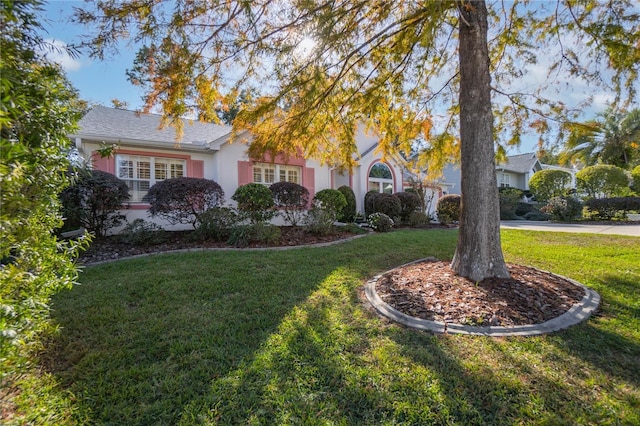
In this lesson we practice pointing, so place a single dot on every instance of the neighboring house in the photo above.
(145, 154)
(517, 171)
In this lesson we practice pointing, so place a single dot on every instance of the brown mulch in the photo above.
(111, 248)
(431, 290)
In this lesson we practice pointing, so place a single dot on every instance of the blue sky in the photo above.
(97, 81)
(102, 81)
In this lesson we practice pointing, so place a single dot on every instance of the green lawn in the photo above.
(282, 337)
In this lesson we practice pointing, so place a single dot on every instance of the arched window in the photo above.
(380, 178)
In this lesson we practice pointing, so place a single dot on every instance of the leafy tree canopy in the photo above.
(391, 65)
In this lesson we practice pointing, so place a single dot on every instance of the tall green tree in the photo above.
(37, 112)
(404, 69)
(612, 138)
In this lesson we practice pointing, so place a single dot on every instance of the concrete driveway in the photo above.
(627, 229)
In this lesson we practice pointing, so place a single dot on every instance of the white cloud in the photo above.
(56, 51)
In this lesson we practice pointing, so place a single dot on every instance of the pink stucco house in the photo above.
(145, 154)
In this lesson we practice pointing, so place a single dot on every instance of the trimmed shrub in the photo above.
(417, 219)
(610, 208)
(255, 202)
(380, 222)
(330, 199)
(509, 199)
(601, 181)
(142, 233)
(448, 208)
(563, 208)
(326, 205)
(184, 199)
(523, 208)
(348, 212)
(380, 202)
(217, 223)
(409, 203)
(635, 179)
(536, 215)
(291, 200)
(369, 202)
(95, 201)
(549, 183)
(243, 235)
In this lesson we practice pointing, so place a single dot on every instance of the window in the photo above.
(505, 181)
(271, 173)
(140, 172)
(380, 179)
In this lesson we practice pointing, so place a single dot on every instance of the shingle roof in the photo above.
(521, 163)
(119, 124)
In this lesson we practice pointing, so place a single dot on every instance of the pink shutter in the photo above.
(197, 168)
(309, 181)
(105, 164)
(245, 170)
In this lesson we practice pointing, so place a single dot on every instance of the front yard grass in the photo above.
(282, 337)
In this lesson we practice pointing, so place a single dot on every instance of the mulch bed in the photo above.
(432, 291)
(112, 248)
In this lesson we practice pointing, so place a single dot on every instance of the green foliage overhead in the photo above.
(38, 109)
(391, 65)
(549, 183)
(602, 181)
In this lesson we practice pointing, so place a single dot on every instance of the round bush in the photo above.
(184, 199)
(409, 203)
(348, 212)
(380, 202)
(380, 222)
(255, 202)
(448, 208)
(417, 219)
(330, 199)
(549, 183)
(291, 199)
(95, 201)
(602, 180)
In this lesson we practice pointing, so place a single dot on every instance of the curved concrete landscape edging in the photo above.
(578, 313)
(203, 249)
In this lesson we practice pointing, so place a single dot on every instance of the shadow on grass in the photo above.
(283, 338)
(145, 341)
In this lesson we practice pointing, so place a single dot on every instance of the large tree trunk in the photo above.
(478, 253)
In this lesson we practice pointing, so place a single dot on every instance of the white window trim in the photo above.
(137, 196)
(277, 170)
(380, 182)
